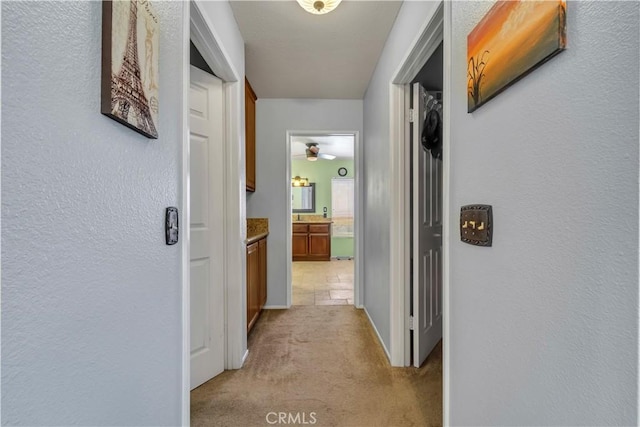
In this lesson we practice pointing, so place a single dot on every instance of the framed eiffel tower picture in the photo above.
(130, 64)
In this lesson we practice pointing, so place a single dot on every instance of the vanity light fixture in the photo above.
(318, 7)
(299, 182)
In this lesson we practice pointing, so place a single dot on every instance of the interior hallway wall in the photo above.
(91, 295)
(544, 324)
(274, 117)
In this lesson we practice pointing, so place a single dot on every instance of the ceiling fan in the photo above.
(313, 153)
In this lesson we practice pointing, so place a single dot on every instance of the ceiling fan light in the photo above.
(318, 7)
(312, 158)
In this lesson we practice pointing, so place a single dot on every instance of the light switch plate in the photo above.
(171, 226)
(476, 225)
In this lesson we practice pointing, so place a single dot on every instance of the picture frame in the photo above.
(130, 74)
(512, 39)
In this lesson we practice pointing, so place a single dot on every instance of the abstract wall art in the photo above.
(510, 41)
(130, 64)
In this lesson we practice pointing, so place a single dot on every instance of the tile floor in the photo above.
(322, 282)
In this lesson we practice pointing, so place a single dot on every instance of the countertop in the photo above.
(257, 228)
(311, 218)
(255, 238)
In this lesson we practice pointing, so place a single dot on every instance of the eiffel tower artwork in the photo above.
(130, 87)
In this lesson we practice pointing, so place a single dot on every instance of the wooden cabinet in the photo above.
(250, 135)
(262, 255)
(300, 240)
(311, 241)
(256, 280)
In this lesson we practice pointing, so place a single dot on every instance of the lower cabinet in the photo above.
(256, 280)
(311, 241)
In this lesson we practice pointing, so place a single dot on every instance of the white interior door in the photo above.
(427, 241)
(206, 113)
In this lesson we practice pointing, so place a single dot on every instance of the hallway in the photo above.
(322, 363)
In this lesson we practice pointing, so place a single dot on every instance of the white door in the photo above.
(427, 248)
(206, 113)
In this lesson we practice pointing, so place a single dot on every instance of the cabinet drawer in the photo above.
(319, 228)
(299, 228)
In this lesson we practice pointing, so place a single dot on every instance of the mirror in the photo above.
(303, 199)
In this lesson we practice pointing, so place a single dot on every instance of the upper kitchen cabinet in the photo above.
(250, 134)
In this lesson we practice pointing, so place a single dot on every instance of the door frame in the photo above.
(197, 28)
(358, 297)
(437, 29)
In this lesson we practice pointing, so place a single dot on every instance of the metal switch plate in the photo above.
(476, 225)
(171, 226)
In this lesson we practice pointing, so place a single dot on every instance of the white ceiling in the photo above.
(341, 146)
(291, 53)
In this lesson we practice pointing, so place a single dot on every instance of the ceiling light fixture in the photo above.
(312, 153)
(319, 7)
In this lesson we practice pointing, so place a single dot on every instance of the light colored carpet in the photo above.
(322, 364)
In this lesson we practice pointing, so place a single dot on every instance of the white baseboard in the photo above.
(275, 307)
(244, 358)
(373, 325)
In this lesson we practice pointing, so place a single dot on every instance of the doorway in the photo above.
(434, 32)
(231, 202)
(323, 198)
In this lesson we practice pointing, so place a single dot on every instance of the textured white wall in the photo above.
(274, 117)
(91, 296)
(544, 325)
(377, 200)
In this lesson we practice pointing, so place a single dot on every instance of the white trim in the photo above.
(407, 225)
(399, 250)
(205, 39)
(235, 256)
(358, 226)
(373, 325)
(288, 227)
(184, 216)
(276, 307)
(430, 36)
(358, 232)
(244, 358)
(448, 229)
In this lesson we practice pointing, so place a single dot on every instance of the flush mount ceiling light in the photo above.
(319, 7)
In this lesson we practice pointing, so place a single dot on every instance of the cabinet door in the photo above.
(320, 245)
(253, 275)
(263, 273)
(299, 244)
(250, 135)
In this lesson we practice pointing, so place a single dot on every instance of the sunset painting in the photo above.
(512, 39)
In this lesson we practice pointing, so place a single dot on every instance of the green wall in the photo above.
(321, 172)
